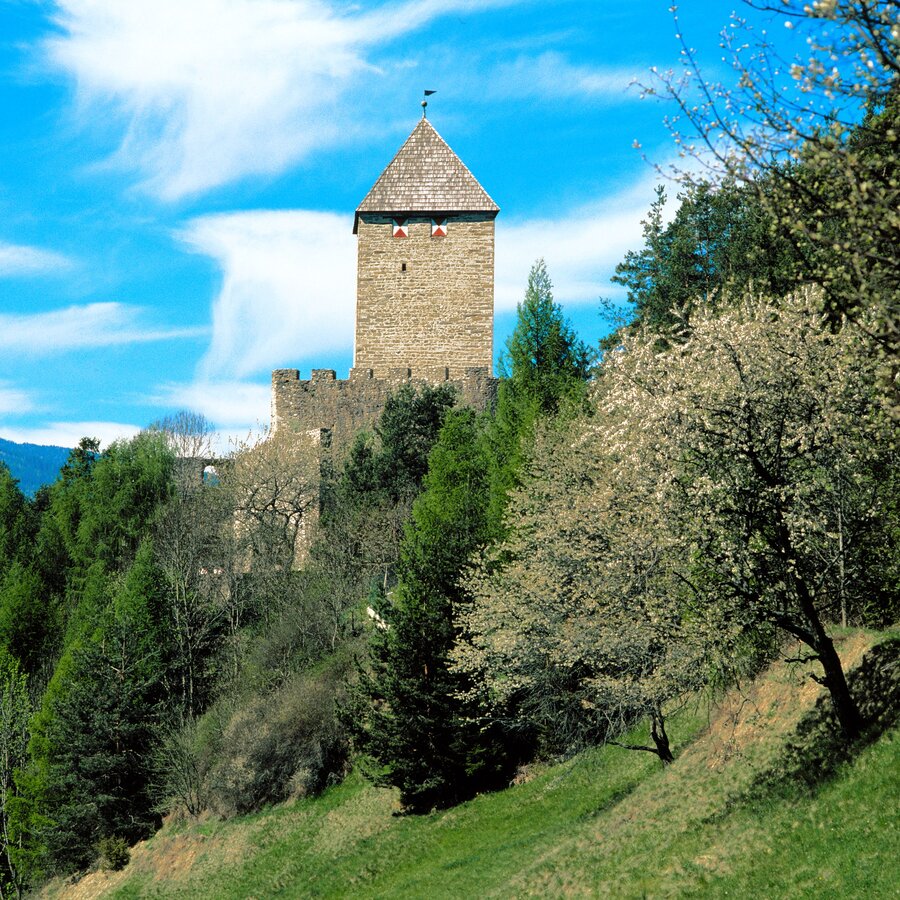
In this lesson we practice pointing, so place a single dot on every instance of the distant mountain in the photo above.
(32, 464)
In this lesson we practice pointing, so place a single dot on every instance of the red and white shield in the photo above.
(439, 228)
(401, 228)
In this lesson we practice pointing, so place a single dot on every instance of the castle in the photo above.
(424, 297)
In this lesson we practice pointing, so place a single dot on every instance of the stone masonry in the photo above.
(424, 301)
(425, 297)
(342, 407)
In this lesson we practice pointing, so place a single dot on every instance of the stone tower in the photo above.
(425, 297)
(425, 264)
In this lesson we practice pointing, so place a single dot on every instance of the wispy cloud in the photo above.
(238, 410)
(19, 259)
(14, 400)
(289, 281)
(212, 90)
(91, 325)
(550, 75)
(68, 434)
(581, 246)
(288, 290)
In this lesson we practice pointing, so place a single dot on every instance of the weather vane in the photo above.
(425, 104)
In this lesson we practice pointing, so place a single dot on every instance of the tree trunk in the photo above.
(660, 738)
(844, 705)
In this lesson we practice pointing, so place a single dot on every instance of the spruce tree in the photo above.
(408, 718)
(545, 369)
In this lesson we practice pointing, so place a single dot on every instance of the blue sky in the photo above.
(178, 180)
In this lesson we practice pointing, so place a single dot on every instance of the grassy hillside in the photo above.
(609, 822)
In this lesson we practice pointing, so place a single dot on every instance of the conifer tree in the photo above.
(407, 717)
(98, 725)
(544, 358)
(545, 368)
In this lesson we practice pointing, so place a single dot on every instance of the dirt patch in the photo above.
(750, 717)
(165, 858)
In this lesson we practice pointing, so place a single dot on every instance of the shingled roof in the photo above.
(426, 176)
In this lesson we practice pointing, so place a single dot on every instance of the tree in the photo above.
(190, 435)
(274, 485)
(816, 139)
(406, 431)
(718, 493)
(544, 357)
(15, 712)
(28, 623)
(545, 369)
(575, 631)
(743, 433)
(98, 726)
(195, 559)
(721, 242)
(367, 503)
(13, 519)
(407, 716)
(128, 484)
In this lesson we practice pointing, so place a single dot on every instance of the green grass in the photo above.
(349, 840)
(608, 823)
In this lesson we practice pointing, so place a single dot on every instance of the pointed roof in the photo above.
(426, 176)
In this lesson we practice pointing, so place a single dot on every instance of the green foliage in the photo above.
(544, 358)
(282, 745)
(574, 631)
(13, 520)
(90, 769)
(367, 503)
(603, 818)
(393, 468)
(545, 369)
(721, 242)
(15, 713)
(741, 481)
(29, 628)
(114, 853)
(260, 748)
(407, 716)
(128, 483)
(98, 737)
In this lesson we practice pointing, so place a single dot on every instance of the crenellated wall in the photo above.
(346, 406)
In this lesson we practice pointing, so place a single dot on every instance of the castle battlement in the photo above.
(345, 406)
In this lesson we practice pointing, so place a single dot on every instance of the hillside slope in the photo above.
(609, 822)
(32, 465)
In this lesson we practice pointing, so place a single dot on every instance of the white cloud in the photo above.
(68, 434)
(18, 259)
(288, 291)
(289, 283)
(212, 90)
(551, 75)
(14, 400)
(580, 246)
(229, 405)
(91, 325)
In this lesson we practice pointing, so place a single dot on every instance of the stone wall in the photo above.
(343, 407)
(425, 301)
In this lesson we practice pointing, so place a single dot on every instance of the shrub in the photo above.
(282, 745)
(114, 853)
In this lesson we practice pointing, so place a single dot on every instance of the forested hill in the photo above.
(32, 465)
